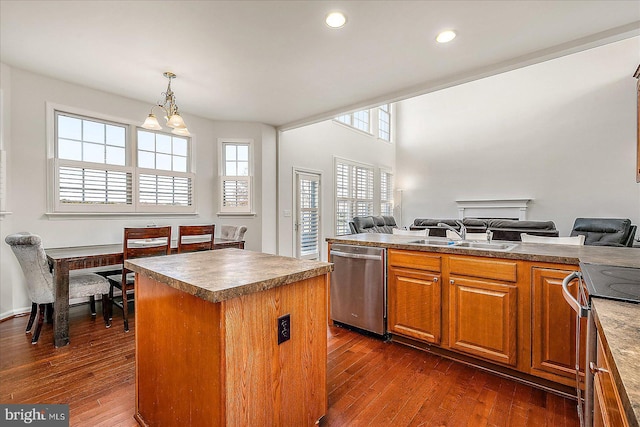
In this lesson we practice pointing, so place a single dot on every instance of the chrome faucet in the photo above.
(463, 230)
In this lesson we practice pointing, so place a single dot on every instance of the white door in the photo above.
(307, 218)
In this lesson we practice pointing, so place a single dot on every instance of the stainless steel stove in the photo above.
(599, 281)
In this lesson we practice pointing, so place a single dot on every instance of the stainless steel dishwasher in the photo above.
(358, 287)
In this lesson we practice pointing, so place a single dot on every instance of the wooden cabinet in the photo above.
(414, 304)
(414, 295)
(607, 407)
(509, 313)
(483, 306)
(553, 346)
(474, 312)
(220, 364)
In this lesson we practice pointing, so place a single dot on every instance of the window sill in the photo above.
(245, 214)
(114, 215)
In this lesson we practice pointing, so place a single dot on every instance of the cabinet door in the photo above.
(414, 304)
(607, 407)
(483, 319)
(554, 325)
(598, 409)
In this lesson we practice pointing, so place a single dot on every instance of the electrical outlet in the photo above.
(284, 328)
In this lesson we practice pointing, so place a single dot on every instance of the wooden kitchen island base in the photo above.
(200, 363)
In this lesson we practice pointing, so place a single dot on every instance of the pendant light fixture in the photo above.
(171, 114)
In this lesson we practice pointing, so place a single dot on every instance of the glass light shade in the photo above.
(176, 122)
(151, 123)
(181, 132)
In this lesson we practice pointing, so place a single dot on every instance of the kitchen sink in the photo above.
(497, 246)
(486, 245)
(433, 242)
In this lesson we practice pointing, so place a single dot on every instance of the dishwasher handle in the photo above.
(571, 300)
(356, 256)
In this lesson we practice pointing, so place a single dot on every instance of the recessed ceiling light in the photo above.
(446, 36)
(336, 19)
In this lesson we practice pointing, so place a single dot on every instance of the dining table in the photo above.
(63, 260)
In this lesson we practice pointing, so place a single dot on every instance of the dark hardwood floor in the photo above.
(370, 382)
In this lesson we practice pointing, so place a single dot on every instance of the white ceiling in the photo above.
(277, 62)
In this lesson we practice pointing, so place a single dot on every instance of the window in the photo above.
(365, 120)
(384, 122)
(386, 193)
(95, 172)
(357, 119)
(235, 176)
(354, 193)
(162, 163)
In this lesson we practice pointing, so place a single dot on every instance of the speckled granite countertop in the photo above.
(223, 274)
(620, 325)
(561, 254)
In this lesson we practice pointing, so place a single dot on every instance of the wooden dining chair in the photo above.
(193, 238)
(137, 243)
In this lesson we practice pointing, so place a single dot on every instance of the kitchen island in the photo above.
(502, 309)
(230, 337)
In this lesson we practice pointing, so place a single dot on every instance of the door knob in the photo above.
(452, 281)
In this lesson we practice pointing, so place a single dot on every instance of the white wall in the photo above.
(562, 132)
(8, 273)
(314, 148)
(27, 176)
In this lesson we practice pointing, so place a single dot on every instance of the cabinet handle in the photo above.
(452, 281)
(595, 369)
(435, 280)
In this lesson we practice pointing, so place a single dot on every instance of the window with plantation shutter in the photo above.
(165, 190)
(386, 193)
(80, 185)
(235, 176)
(94, 170)
(235, 193)
(164, 180)
(354, 193)
(308, 212)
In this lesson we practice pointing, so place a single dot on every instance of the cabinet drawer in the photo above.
(416, 260)
(496, 269)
